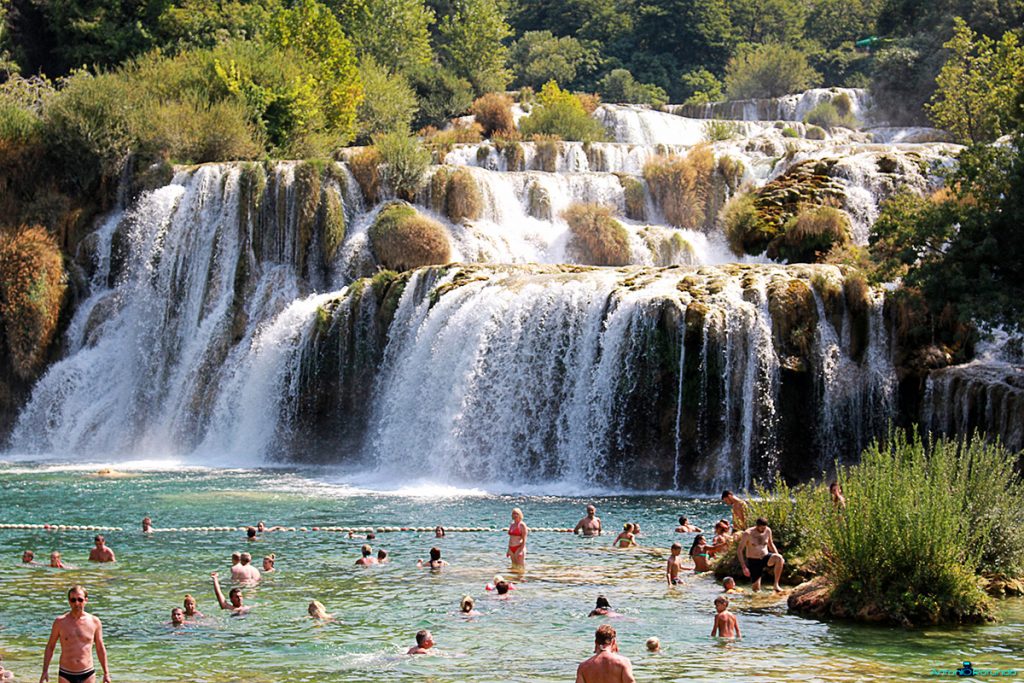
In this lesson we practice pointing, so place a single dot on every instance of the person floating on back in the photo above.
(77, 632)
(686, 528)
(607, 665)
(726, 625)
(101, 553)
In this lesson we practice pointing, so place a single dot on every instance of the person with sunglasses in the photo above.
(77, 632)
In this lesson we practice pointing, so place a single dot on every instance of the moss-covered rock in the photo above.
(808, 236)
(815, 133)
(597, 239)
(794, 321)
(403, 239)
(463, 199)
(636, 197)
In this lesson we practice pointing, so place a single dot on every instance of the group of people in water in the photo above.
(78, 632)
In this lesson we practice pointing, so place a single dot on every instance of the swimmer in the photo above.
(590, 525)
(517, 533)
(236, 604)
(250, 533)
(191, 609)
(57, 563)
(726, 625)
(602, 608)
(29, 557)
(424, 641)
(177, 617)
(739, 509)
(268, 563)
(636, 529)
(261, 527)
(675, 565)
(653, 645)
(699, 554)
(317, 610)
(435, 561)
(439, 531)
(77, 631)
(498, 579)
(607, 665)
(686, 528)
(625, 539)
(147, 525)
(466, 606)
(247, 573)
(729, 585)
(101, 553)
(371, 536)
(502, 587)
(382, 556)
(367, 559)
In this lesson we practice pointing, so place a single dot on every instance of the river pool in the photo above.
(539, 634)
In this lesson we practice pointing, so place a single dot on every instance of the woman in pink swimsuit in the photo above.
(517, 532)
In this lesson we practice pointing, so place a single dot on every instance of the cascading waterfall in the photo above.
(238, 315)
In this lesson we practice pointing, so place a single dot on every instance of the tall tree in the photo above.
(471, 43)
(396, 33)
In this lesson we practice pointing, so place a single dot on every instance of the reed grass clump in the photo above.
(32, 286)
(597, 239)
(365, 168)
(403, 239)
(681, 186)
(809, 235)
(493, 112)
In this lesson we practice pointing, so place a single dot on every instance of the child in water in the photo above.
(625, 539)
(726, 625)
(729, 585)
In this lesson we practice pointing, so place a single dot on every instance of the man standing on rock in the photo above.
(607, 665)
(757, 552)
(589, 525)
(76, 631)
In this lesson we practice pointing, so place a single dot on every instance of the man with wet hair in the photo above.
(247, 573)
(607, 665)
(77, 632)
(757, 553)
(29, 557)
(589, 525)
(367, 559)
(101, 553)
(424, 641)
(739, 508)
(235, 601)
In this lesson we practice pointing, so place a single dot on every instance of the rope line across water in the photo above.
(328, 529)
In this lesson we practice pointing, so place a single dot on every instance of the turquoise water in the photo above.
(539, 634)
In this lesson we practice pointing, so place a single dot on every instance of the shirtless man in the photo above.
(686, 528)
(76, 631)
(147, 525)
(101, 553)
(367, 559)
(589, 525)
(424, 641)
(236, 604)
(675, 565)
(607, 665)
(236, 567)
(757, 552)
(725, 625)
(246, 572)
(739, 509)
(29, 557)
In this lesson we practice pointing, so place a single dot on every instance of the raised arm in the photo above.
(218, 593)
(50, 645)
(101, 651)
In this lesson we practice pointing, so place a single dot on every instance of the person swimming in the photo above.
(317, 610)
(439, 531)
(382, 556)
(367, 558)
(268, 563)
(653, 645)
(602, 609)
(191, 609)
(625, 539)
(435, 561)
(466, 606)
(424, 641)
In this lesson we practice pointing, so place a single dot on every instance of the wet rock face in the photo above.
(978, 397)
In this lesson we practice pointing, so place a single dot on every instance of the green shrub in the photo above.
(788, 132)
(493, 112)
(402, 239)
(768, 70)
(681, 186)
(463, 200)
(701, 87)
(538, 57)
(389, 102)
(404, 163)
(732, 171)
(809, 235)
(442, 95)
(619, 86)
(635, 196)
(559, 112)
(596, 238)
(717, 130)
(915, 528)
(441, 142)
(32, 286)
(192, 131)
(827, 115)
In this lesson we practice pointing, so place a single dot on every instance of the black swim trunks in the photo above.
(757, 565)
(76, 676)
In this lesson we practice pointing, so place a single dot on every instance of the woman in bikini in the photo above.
(517, 532)
(699, 554)
(625, 537)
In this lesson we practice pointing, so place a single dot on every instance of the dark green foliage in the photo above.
(470, 43)
(769, 70)
(620, 86)
(700, 87)
(538, 57)
(441, 94)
